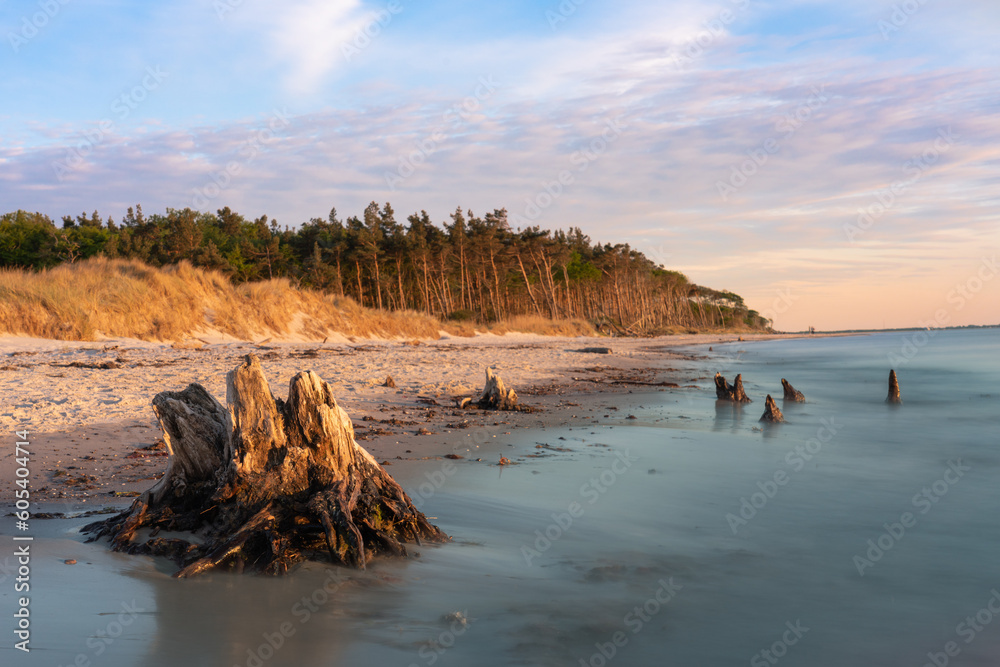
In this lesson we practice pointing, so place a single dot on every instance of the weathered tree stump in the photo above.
(771, 411)
(893, 396)
(266, 483)
(730, 392)
(496, 395)
(791, 393)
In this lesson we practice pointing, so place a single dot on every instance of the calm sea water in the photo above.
(854, 534)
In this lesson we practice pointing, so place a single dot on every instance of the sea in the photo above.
(653, 528)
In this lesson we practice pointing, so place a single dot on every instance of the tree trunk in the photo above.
(570, 311)
(266, 484)
(378, 284)
(427, 289)
(498, 315)
(361, 292)
(399, 282)
(527, 284)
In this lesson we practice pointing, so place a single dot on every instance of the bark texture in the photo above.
(791, 393)
(771, 411)
(265, 484)
(496, 395)
(730, 392)
(893, 396)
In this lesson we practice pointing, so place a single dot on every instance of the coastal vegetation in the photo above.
(362, 275)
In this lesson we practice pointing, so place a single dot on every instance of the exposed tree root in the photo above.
(266, 484)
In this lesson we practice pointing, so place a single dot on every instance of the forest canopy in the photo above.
(468, 268)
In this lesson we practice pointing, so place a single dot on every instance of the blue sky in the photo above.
(837, 163)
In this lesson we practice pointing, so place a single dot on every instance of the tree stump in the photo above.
(791, 393)
(723, 390)
(266, 484)
(496, 395)
(730, 392)
(893, 396)
(771, 411)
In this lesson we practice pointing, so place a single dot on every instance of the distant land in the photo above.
(857, 331)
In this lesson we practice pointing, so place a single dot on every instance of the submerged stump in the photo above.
(771, 412)
(791, 393)
(730, 392)
(893, 396)
(266, 484)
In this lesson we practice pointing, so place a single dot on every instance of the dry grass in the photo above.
(524, 324)
(125, 298)
(464, 329)
(543, 326)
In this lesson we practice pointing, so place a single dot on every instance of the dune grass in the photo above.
(543, 326)
(126, 298)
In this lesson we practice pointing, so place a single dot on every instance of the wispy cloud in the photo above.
(309, 37)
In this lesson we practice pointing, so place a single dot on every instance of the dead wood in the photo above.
(791, 393)
(893, 396)
(730, 392)
(266, 483)
(771, 411)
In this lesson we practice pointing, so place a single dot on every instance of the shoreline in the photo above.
(95, 439)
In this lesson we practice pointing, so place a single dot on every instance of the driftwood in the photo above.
(771, 411)
(266, 484)
(496, 395)
(730, 392)
(791, 393)
(893, 396)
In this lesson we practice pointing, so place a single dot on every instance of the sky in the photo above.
(836, 162)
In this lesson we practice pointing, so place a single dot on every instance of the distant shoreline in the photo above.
(851, 332)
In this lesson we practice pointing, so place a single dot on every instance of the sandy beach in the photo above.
(95, 438)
